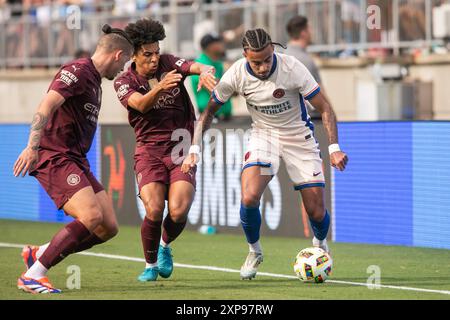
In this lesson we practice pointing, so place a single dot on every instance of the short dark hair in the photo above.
(296, 25)
(145, 31)
(114, 39)
(209, 39)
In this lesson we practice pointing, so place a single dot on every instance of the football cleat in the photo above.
(165, 262)
(251, 264)
(34, 286)
(322, 244)
(149, 274)
(29, 255)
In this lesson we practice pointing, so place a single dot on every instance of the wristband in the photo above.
(332, 148)
(194, 149)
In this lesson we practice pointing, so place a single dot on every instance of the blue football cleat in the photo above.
(149, 274)
(165, 262)
(36, 285)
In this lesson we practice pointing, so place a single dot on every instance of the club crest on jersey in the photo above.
(278, 93)
(73, 179)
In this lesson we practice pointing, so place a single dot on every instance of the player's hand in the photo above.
(171, 80)
(25, 162)
(190, 162)
(207, 80)
(338, 160)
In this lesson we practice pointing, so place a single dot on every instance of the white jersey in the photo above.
(277, 102)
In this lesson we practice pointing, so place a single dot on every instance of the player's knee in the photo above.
(93, 217)
(250, 199)
(154, 210)
(112, 230)
(317, 213)
(178, 212)
(178, 216)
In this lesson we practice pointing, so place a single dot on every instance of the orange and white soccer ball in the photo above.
(313, 265)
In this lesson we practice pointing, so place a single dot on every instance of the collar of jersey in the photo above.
(274, 66)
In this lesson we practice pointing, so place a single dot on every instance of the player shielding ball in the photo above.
(158, 104)
(275, 87)
(61, 135)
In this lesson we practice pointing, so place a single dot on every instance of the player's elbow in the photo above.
(139, 105)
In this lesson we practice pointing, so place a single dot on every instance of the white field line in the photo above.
(266, 274)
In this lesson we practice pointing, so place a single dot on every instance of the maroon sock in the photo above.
(150, 235)
(64, 243)
(89, 242)
(172, 229)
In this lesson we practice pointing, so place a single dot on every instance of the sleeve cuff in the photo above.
(313, 93)
(216, 99)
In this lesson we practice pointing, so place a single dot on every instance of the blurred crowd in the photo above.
(37, 32)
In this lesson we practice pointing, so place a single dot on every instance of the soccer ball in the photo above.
(313, 265)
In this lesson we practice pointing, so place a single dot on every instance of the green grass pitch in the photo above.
(107, 278)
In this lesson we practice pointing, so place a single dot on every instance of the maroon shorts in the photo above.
(62, 177)
(153, 167)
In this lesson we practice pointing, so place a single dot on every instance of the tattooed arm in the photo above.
(203, 124)
(29, 156)
(338, 158)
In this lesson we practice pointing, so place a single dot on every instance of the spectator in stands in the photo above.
(351, 19)
(412, 20)
(213, 48)
(299, 39)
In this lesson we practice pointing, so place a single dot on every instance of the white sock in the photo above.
(255, 247)
(36, 271)
(163, 244)
(41, 250)
(151, 265)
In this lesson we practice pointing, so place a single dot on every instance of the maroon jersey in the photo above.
(71, 128)
(172, 111)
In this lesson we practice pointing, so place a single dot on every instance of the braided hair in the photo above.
(257, 40)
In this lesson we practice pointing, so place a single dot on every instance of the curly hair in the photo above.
(145, 31)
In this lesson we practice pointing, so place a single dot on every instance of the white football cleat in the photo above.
(251, 264)
(322, 244)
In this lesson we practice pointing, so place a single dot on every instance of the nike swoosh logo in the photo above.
(247, 94)
(316, 174)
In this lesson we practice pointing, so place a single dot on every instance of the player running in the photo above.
(152, 90)
(61, 135)
(275, 87)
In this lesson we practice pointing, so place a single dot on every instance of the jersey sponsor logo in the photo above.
(272, 109)
(180, 62)
(73, 179)
(67, 77)
(167, 99)
(123, 90)
(93, 112)
(278, 93)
